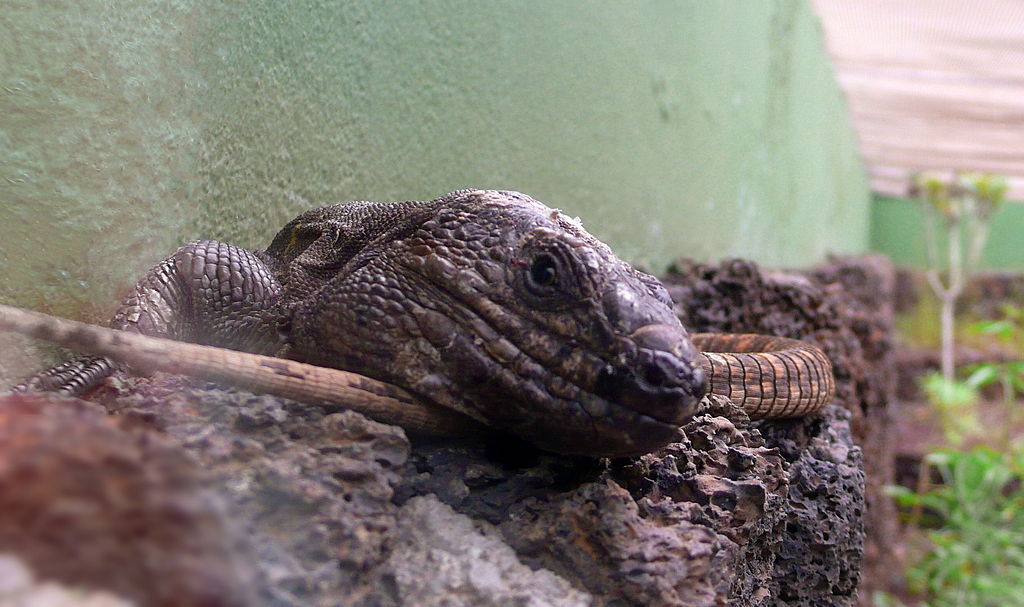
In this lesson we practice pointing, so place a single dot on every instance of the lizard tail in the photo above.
(770, 377)
(74, 377)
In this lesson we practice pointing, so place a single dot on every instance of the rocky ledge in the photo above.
(195, 495)
(160, 492)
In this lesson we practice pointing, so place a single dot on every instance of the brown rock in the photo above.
(87, 501)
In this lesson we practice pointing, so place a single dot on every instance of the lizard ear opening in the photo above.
(292, 241)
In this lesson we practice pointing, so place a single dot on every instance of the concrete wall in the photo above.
(127, 129)
(897, 229)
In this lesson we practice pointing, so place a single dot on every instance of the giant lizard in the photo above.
(476, 308)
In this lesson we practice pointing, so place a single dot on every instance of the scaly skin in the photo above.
(485, 303)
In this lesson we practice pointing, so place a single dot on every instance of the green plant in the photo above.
(884, 599)
(955, 403)
(1008, 375)
(977, 554)
(964, 206)
(1009, 329)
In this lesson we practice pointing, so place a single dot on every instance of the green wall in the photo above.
(670, 128)
(897, 229)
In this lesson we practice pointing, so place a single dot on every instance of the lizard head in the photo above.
(509, 311)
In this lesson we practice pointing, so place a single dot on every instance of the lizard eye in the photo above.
(543, 272)
(548, 278)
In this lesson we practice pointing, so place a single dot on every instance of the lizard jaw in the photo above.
(662, 376)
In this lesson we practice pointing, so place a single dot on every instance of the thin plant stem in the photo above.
(1008, 404)
(948, 296)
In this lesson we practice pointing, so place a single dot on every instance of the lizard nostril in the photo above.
(665, 367)
(654, 375)
(608, 383)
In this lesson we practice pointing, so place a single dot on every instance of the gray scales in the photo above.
(476, 309)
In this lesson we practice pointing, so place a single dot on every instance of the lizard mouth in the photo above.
(580, 403)
(645, 398)
(664, 379)
(618, 432)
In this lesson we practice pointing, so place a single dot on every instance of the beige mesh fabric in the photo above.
(936, 85)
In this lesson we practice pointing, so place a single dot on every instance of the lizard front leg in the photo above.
(207, 292)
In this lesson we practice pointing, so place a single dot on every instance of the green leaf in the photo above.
(982, 376)
(1012, 312)
(942, 458)
(1003, 329)
(976, 558)
(1017, 381)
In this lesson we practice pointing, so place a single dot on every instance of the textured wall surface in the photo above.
(705, 130)
(897, 229)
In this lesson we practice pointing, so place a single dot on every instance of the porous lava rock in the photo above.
(335, 509)
(440, 557)
(20, 588)
(343, 510)
(845, 306)
(313, 488)
(92, 502)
